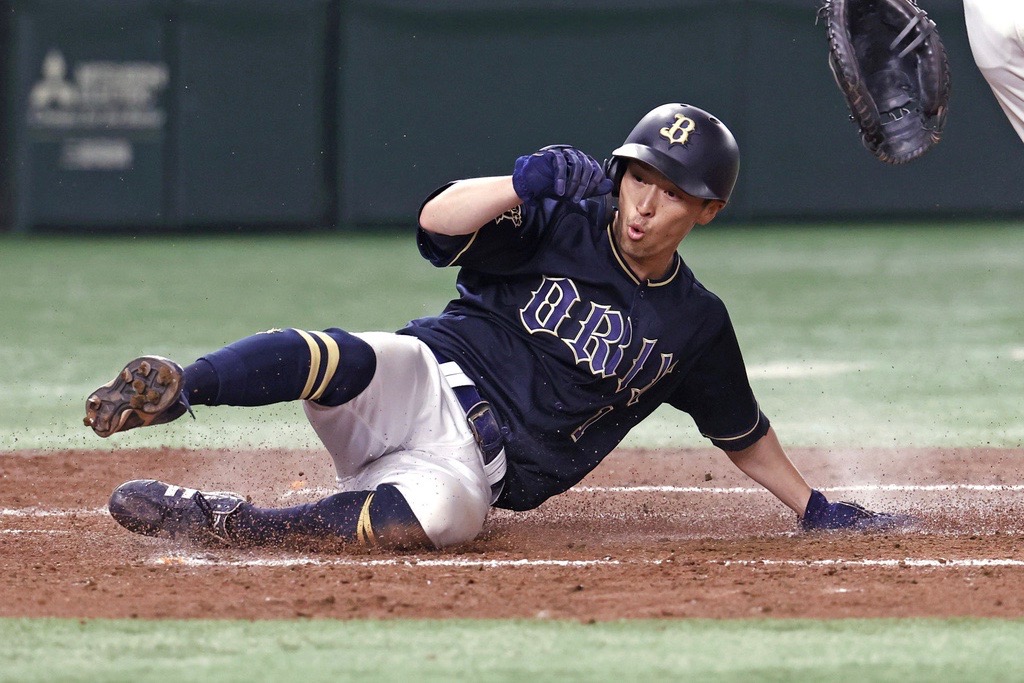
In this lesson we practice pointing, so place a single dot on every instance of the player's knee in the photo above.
(341, 368)
(448, 511)
(386, 520)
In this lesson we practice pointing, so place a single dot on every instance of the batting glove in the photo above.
(823, 515)
(559, 172)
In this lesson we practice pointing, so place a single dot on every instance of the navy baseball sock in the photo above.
(372, 518)
(329, 367)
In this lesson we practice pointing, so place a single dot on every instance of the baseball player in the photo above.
(995, 29)
(576, 319)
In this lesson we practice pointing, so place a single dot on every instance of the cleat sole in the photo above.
(137, 397)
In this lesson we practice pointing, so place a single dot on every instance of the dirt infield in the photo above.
(649, 534)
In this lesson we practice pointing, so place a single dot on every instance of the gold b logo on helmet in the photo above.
(679, 131)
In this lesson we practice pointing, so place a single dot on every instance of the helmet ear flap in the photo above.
(614, 169)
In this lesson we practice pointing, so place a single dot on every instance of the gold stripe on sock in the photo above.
(364, 530)
(314, 363)
(333, 358)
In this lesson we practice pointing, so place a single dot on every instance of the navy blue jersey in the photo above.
(572, 350)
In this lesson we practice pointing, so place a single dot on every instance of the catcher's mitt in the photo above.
(888, 59)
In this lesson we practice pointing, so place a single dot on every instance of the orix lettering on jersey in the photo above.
(598, 338)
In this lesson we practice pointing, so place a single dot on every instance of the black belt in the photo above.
(482, 422)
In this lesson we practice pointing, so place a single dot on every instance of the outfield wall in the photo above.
(249, 114)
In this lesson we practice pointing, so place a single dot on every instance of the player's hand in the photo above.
(559, 172)
(823, 515)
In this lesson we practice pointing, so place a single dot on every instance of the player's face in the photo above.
(654, 217)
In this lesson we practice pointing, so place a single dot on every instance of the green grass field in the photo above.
(690, 650)
(877, 336)
(854, 336)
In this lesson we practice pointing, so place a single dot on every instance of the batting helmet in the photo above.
(685, 144)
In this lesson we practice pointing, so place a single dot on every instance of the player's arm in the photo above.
(556, 172)
(468, 205)
(767, 463)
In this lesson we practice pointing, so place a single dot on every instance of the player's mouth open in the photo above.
(634, 231)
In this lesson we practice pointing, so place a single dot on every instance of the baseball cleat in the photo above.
(155, 508)
(149, 390)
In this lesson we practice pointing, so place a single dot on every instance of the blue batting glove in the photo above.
(821, 514)
(559, 172)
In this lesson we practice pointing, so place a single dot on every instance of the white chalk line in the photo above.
(860, 488)
(207, 561)
(731, 490)
(802, 369)
(52, 512)
(906, 562)
(708, 490)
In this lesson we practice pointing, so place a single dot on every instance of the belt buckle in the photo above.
(485, 429)
(492, 444)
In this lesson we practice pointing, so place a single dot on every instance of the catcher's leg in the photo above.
(996, 34)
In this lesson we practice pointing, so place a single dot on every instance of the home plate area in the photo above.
(649, 534)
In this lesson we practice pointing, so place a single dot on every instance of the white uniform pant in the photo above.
(996, 31)
(407, 429)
